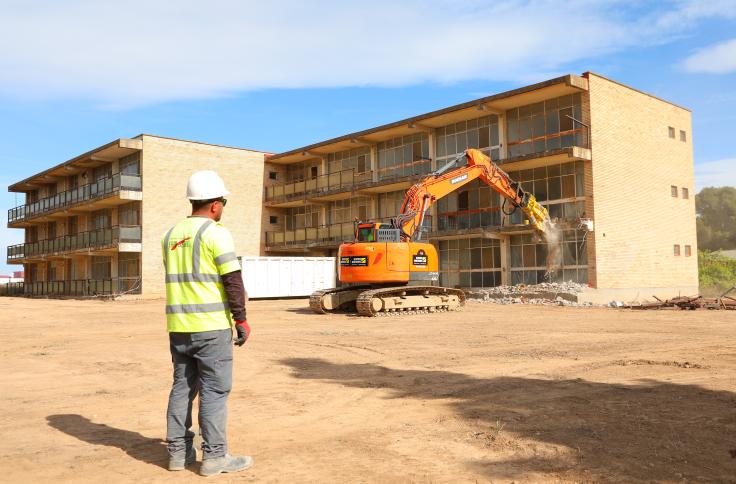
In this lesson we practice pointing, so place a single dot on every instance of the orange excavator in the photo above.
(385, 270)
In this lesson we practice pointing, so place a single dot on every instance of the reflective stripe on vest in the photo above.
(195, 308)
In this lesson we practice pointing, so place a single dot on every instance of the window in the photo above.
(404, 156)
(545, 126)
(534, 261)
(272, 175)
(102, 219)
(313, 171)
(683, 136)
(273, 219)
(346, 160)
(129, 264)
(102, 172)
(301, 217)
(688, 251)
(472, 262)
(480, 133)
(677, 250)
(130, 165)
(685, 193)
(389, 204)
(364, 164)
(671, 131)
(101, 267)
(72, 226)
(347, 210)
(129, 214)
(673, 191)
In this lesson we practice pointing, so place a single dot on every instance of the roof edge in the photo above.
(140, 136)
(588, 73)
(566, 79)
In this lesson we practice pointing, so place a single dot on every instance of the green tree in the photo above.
(717, 273)
(716, 222)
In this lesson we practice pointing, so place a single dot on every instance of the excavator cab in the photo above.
(366, 232)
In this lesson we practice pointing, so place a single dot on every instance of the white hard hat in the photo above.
(205, 185)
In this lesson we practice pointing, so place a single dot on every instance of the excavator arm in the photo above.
(420, 197)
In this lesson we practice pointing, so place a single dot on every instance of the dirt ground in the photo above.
(490, 394)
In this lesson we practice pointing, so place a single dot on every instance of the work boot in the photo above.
(178, 463)
(225, 463)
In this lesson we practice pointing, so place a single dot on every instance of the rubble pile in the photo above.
(690, 303)
(546, 293)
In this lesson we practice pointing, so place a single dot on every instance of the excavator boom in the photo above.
(420, 197)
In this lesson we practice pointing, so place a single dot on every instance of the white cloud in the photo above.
(719, 173)
(144, 51)
(715, 59)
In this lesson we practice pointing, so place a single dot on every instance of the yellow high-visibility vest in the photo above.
(197, 252)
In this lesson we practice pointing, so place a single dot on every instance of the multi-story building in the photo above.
(93, 224)
(613, 166)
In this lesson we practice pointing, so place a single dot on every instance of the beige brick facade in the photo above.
(635, 163)
(166, 166)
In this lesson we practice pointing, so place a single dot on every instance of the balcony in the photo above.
(326, 236)
(340, 185)
(99, 239)
(321, 188)
(74, 288)
(99, 190)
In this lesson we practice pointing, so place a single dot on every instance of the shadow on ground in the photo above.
(649, 431)
(144, 449)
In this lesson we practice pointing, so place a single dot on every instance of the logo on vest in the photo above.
(180, 243)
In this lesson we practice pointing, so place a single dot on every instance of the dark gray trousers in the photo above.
(203, 363)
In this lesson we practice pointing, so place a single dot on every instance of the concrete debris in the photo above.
(546, 293)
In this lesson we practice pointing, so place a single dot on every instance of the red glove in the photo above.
(243, 330)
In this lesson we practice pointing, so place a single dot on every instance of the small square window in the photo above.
(685, 193)
(677, 249)
(272, 175)
(673, 190)
(671, 131)
(688, 251)
(683, 136)
(273, 219)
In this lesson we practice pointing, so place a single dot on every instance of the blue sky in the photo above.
(279, 75)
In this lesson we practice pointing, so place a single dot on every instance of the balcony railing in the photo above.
(324, 235)
(331, 182)
(94, 239)
(75, 288)
(99, 189)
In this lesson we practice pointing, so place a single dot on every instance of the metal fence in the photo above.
(68, 198)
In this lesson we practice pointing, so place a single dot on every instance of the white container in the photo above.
(287, 276)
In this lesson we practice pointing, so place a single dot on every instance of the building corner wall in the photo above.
(166, 165)
(634, 165)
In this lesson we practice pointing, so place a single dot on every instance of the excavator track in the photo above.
(409, 300)
(330, 300)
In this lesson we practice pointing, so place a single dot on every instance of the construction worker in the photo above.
(204, 296)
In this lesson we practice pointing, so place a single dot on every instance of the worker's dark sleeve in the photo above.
(235, 292)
